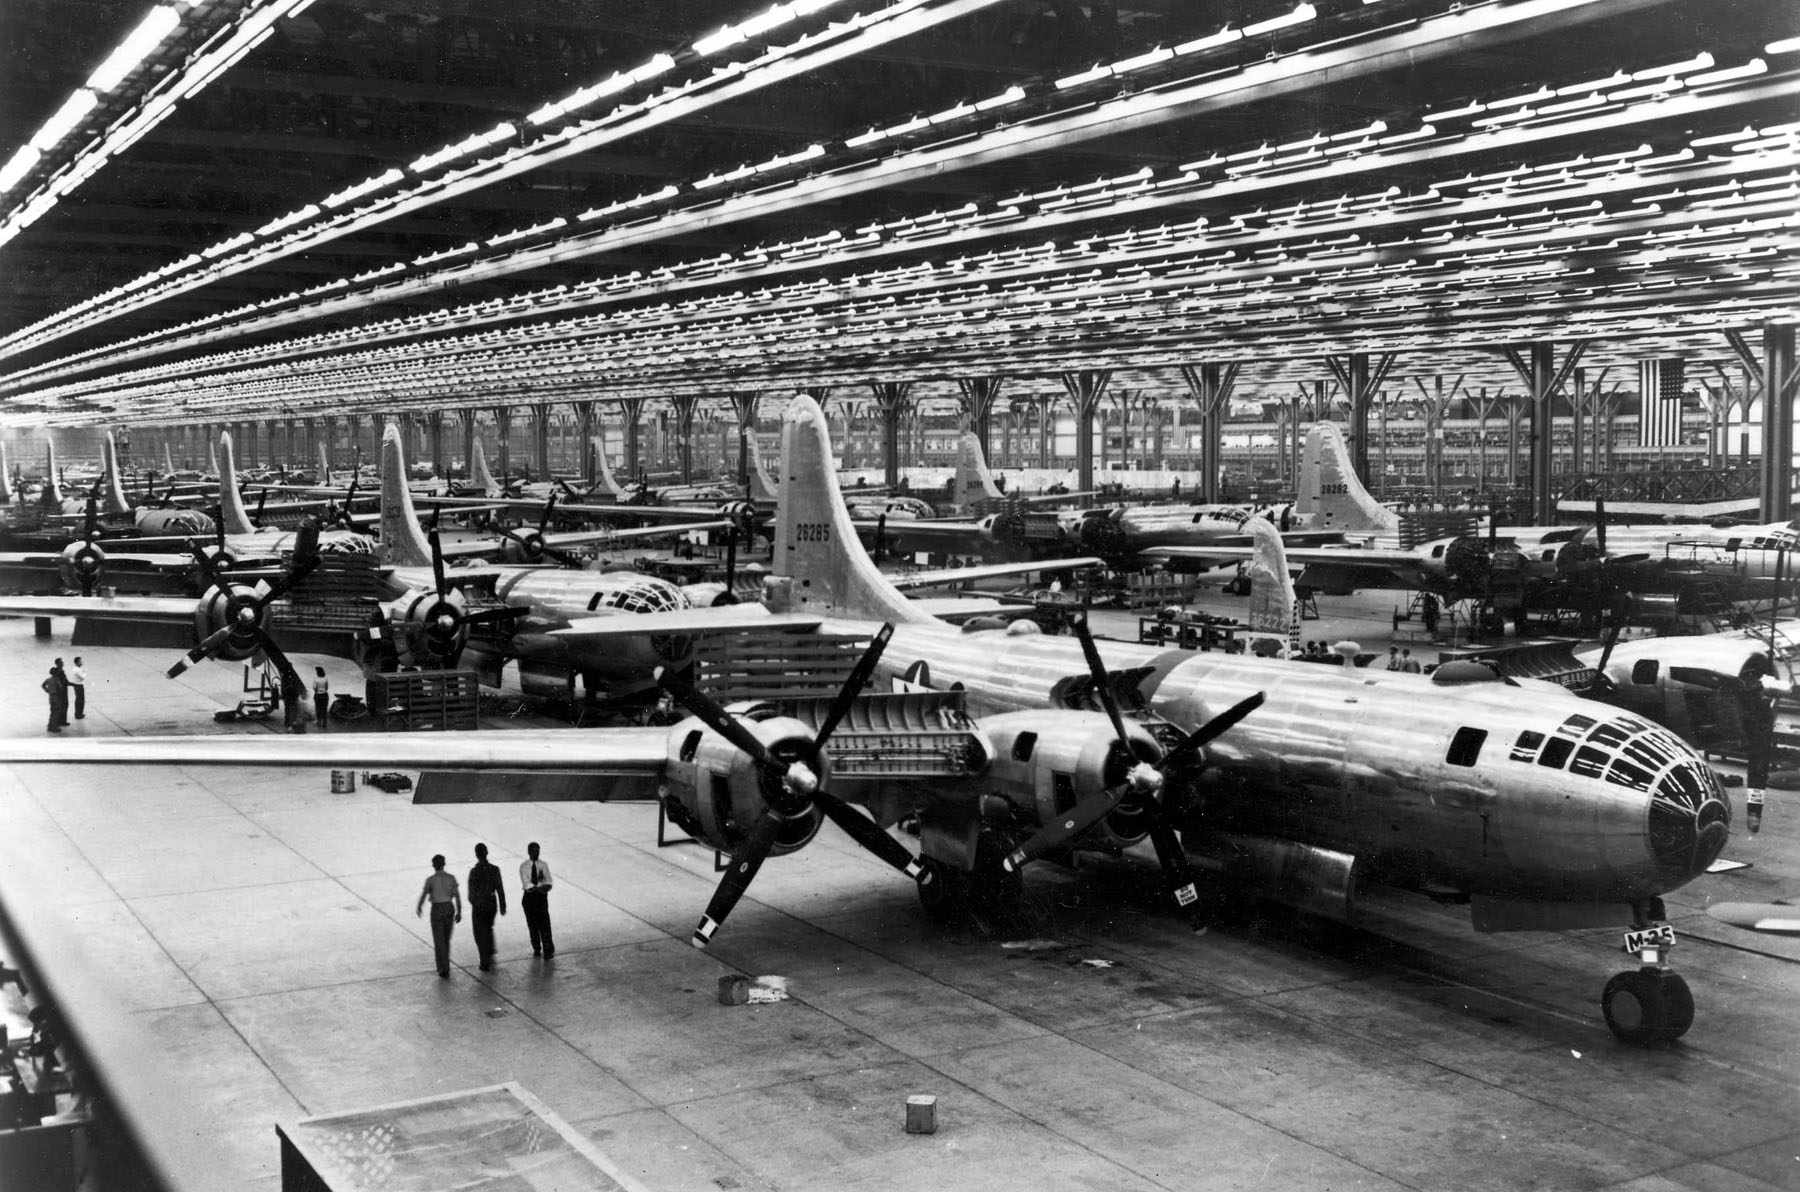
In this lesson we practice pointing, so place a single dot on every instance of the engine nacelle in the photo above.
(82, 565)
(715, 792)
(1316, 880)
(432, 629)
(234, 606)
(1045, 762)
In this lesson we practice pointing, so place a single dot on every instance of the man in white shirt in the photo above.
(78, 685)
(534, 880)
(446, 910)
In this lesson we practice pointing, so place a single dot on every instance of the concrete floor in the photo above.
(261, 931)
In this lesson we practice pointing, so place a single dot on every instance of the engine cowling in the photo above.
(431, 627)
(715, 792)
(234, 605)
(1044, 762)
(82, 565)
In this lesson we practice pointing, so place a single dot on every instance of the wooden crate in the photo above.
(424, 701)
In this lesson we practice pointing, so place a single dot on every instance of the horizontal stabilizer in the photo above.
(1773, 918)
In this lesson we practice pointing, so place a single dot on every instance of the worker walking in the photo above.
(487, 893)
(78, 684)
(534, 877)
(446, 910)
(322, 698)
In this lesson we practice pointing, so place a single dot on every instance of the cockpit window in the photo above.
(1556, 752)
(1644, 672)
(1465, 747)
(1526, 747)
(1590, 762)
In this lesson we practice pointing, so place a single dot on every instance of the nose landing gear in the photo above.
(1652, 1003)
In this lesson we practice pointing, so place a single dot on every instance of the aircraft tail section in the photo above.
(603, 468)
(231, 502)
(816, 545)
(168, 461)
(212, 460)
(973, 480)
(115, 489)
(1331, 496)
(762, 485)
(1274, 607)
(6, 491)
(53, 496)
(403, 543)
(479, 475)
(324, 465)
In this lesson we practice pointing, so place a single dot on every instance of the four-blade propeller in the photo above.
(791, 785)
(532, 546)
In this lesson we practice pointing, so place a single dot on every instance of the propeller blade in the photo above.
(865, 666)
(716, 718)
(1600, 524)
(437, 563)
(744, 864)
(256, 518)
(1621, 611)
(204, 563)
(1212, 729)
(731, 542)
(1175, 869)
(544, 521)
(1067, 827)
(1097, 669)
(214, 642)
(868, 833)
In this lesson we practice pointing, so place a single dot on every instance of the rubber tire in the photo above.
(1636, 1008)
(1679, 1000)
(941, 897)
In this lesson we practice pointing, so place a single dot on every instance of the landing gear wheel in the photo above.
(1646, 1006)
(941, 897)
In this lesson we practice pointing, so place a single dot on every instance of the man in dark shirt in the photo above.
(487, 893)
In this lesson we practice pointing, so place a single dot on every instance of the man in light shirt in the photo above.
(534, 880)
(78, 685)
(446, 910)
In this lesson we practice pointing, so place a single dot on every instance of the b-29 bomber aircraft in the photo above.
(1537, 810)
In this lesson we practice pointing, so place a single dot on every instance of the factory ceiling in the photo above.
(267, 208)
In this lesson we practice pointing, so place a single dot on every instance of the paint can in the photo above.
(343, 781)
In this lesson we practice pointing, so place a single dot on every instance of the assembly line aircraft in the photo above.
(1540, 810)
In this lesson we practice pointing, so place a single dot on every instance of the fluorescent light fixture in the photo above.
(866, 138)
(139, 42)
(657, 65)
(545, 114)
(364, 187)
(1750, 69)
(1786, 45)
(18, 166)
(1086, 76)
(67, 118)
(1159, 54)
(1225, 36)
(1301, 14)
(1010, 95)
(1700, 61)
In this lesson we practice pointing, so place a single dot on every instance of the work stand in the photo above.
(663, 840)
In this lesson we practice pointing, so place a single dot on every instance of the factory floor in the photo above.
(258, 928)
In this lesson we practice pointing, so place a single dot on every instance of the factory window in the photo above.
(1465, 747)
(1644, 673)
(1023, 744)
(1556, 752)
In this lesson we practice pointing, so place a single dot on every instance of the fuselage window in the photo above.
(1064, 790)
(1611, 736)
(1023, 744)
(1644, 673)
(1576, 725)
(1624, 773)
(1465, 746)
(1556, 752)
(1526, 747)
(594, 601)
(1590, 762)
(690, 746)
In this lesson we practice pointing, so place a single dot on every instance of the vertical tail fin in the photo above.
(231, 503)
(403, 543)
(212, 459)
(479, 475)
(762, 485)
(1274, 608)
(603, 466)
(115, 489)
(815, 541)
(168, 461)
(53, 497)
(1331, 496)
(973, 480)
(6, 492)
(324, 465)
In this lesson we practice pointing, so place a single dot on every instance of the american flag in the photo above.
(1659, 388)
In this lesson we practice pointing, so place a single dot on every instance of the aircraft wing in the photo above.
(1335, 570)
(928, 534)
(622, 752)
(581, 537)
(1775, 918)
(684, 620)
(106, 608)
(130, 562)
(950, 575)
(648, 512)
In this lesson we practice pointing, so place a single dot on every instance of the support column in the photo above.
(744, 404)
(978, 394)
(1085, 388)
(540, 440)
(1436, 403)
(1210, 386)
(1360, 380)
(631, 413)
(684, 405)
(891, 404)
(1543, 380)
(503, 424)
(1779, 380)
